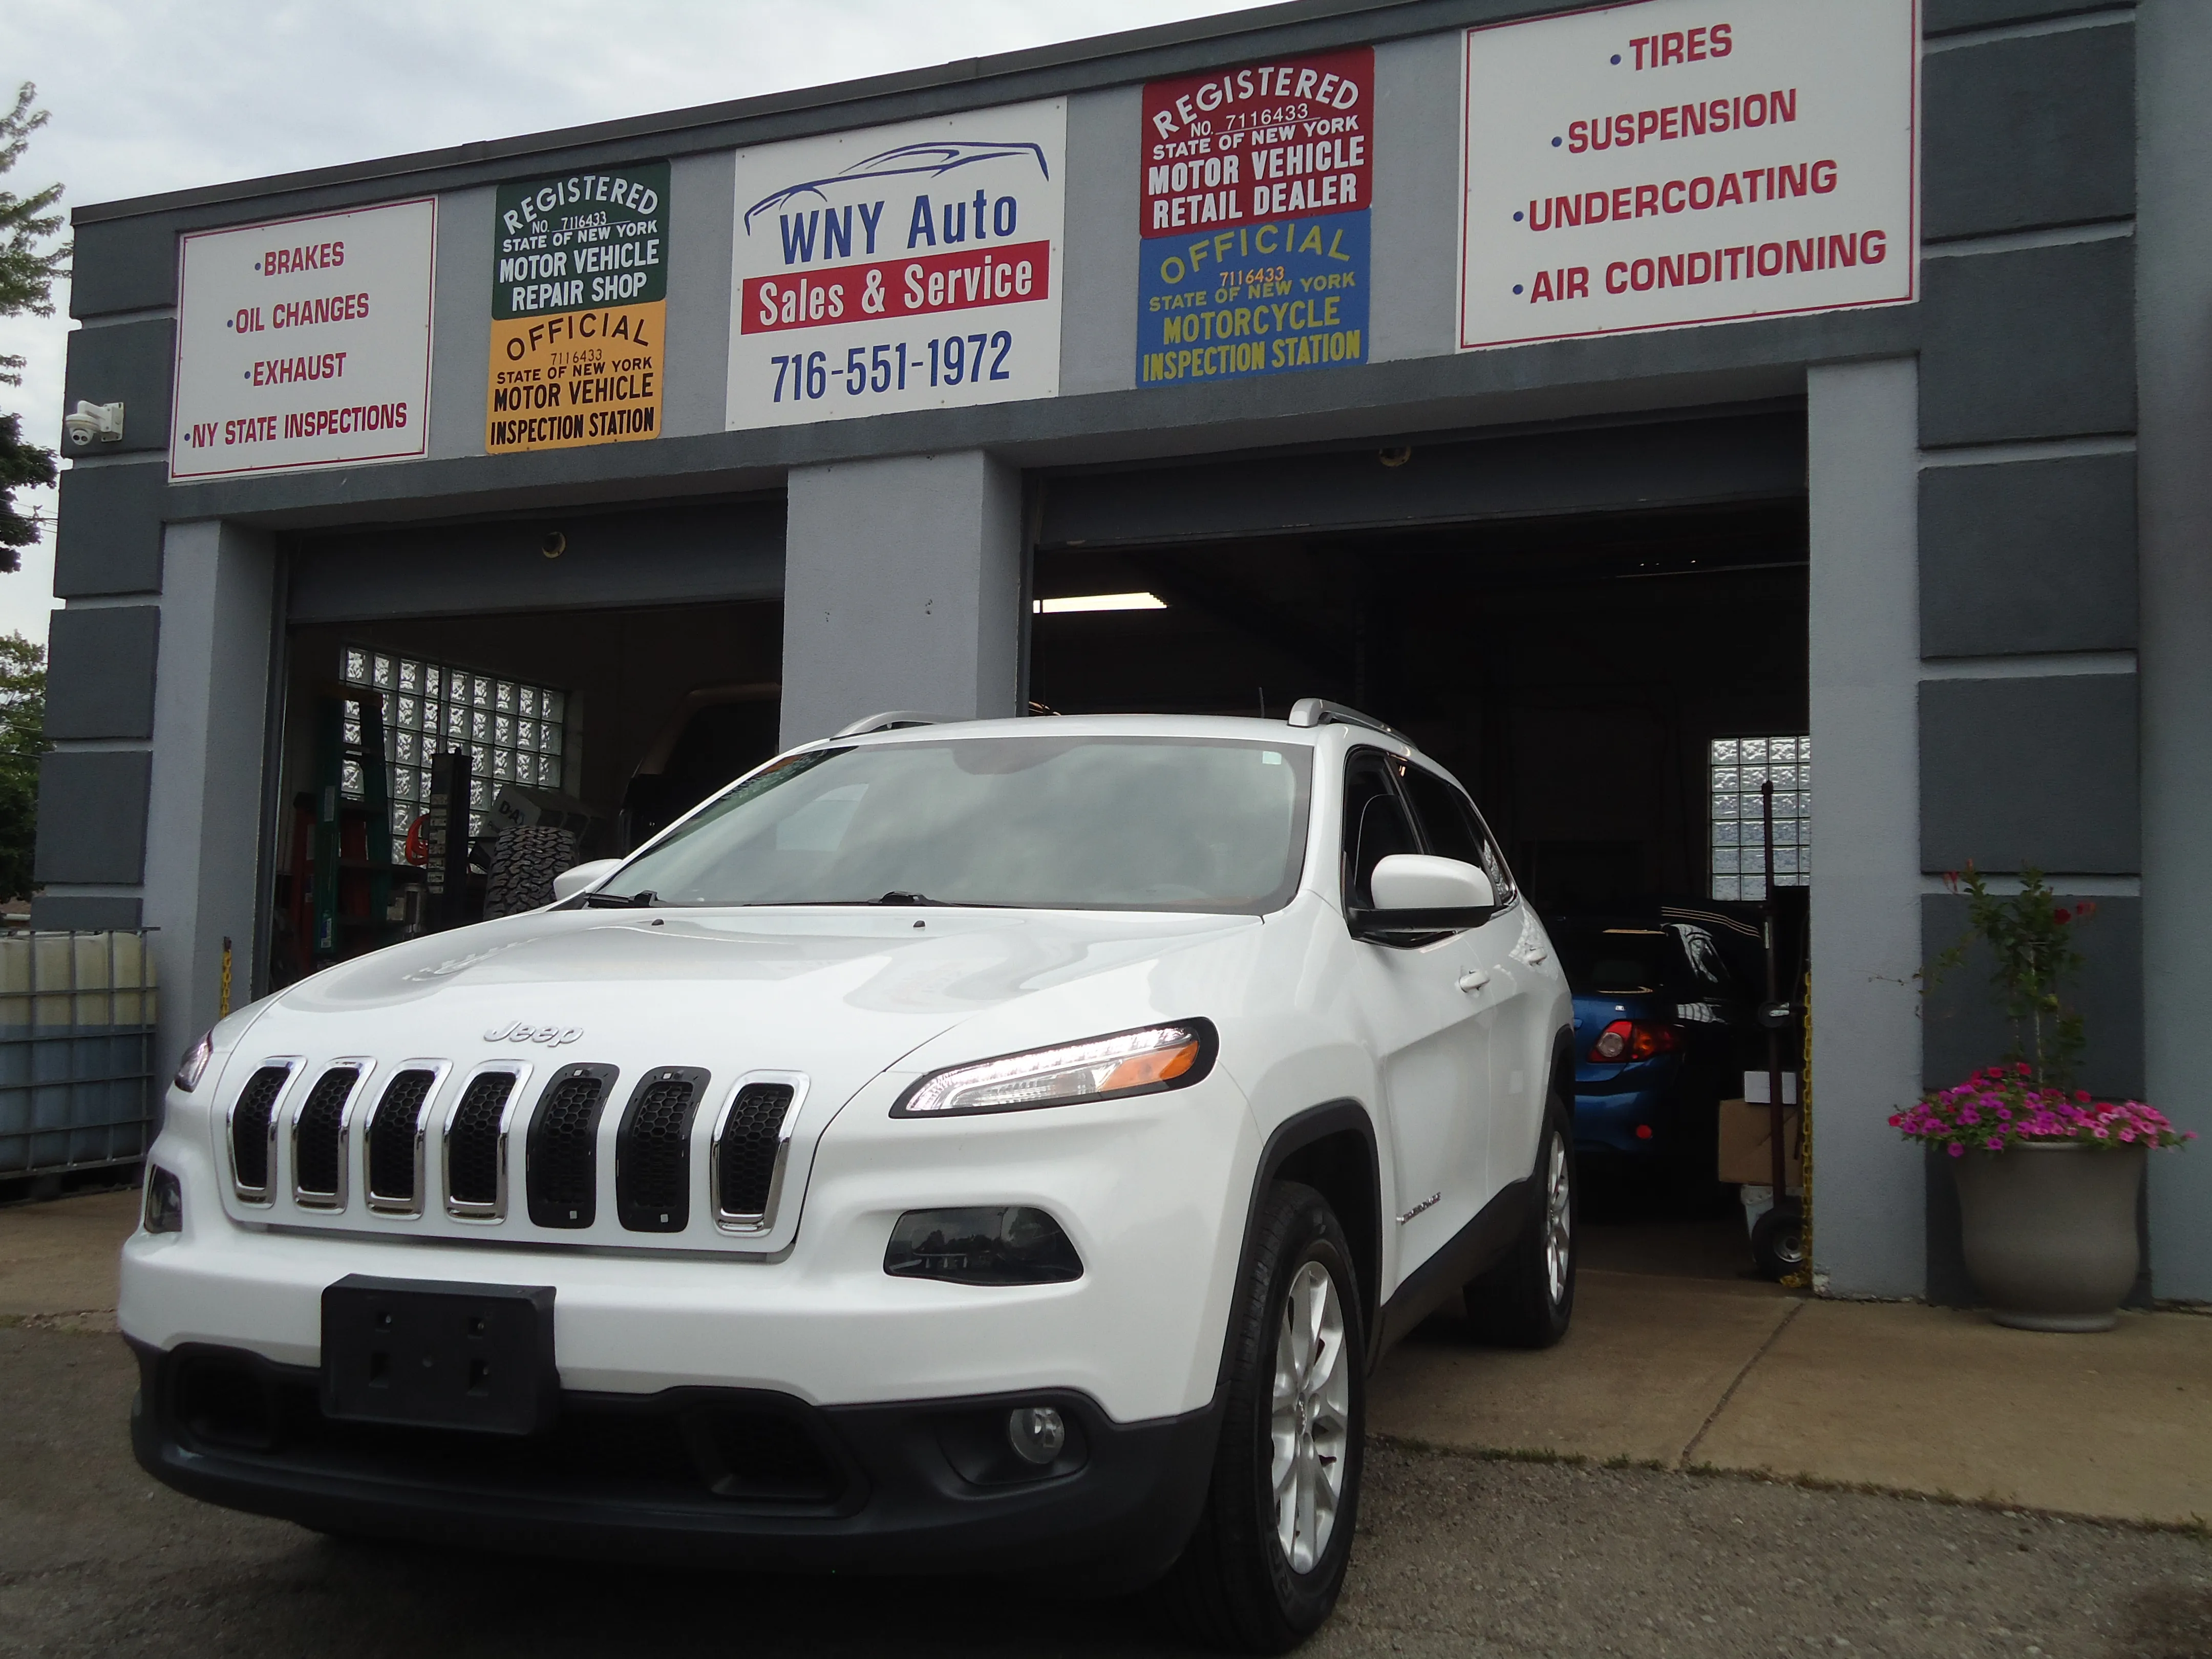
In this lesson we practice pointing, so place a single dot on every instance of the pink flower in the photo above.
(1957, 1150)
(1996, 1143)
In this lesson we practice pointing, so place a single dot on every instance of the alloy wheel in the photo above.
(1311, 1410)
(1559, 1220)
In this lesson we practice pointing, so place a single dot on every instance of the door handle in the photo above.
(1473, 979)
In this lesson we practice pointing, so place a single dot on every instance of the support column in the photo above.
(903, 589)
(1867, 1204)
(2174, 371)
(210, 732)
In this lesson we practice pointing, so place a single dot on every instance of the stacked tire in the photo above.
(524, 862)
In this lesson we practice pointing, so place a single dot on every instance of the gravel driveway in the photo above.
(1457, 1556)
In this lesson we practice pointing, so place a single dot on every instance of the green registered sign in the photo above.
(582, 240)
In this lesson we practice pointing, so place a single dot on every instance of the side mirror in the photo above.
(1416, 893)
(578, 876)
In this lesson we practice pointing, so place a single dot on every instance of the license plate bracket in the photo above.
(438, 1355)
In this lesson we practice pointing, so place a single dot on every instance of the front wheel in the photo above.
(1263, 1568)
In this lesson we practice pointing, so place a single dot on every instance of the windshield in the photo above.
(1045, 822)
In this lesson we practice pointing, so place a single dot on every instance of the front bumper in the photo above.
(726, 1477)
(1138, 1185)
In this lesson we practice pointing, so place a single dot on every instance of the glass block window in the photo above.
(511, 731)
(1739, 765)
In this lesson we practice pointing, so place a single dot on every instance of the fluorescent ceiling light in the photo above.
(1101, 602)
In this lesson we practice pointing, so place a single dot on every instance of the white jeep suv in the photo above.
(992, 1145)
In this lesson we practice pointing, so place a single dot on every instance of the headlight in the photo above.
(1105, 1068)
(195, 1063)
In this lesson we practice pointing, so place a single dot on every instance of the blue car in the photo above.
(1658, 1025)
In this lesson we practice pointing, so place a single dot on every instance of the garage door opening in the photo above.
(560, 735)
(1612, 689)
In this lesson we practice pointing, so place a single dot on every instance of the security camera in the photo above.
(100, 421)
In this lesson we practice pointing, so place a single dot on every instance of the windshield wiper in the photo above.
(905, 898)
(644, 900)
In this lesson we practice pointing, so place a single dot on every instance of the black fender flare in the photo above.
(1293, 1134)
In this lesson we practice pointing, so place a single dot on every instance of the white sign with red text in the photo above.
(915, 266)
(1665, 163)
(304, 343)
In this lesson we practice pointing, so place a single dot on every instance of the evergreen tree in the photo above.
(22, 740)
(27, 281)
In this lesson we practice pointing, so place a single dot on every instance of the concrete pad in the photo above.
(1646, 1362)
(60, 1257)
(1939, 1401)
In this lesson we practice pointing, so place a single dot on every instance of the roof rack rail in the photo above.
(1317, 711)
(892, 720)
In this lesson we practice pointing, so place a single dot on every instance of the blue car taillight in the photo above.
(1635, 1039)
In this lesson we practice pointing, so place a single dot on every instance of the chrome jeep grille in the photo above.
(394, 1139)
(653, 1151)
(318, 1139)
(253, 1130)
(440, 1147)
(749, 1152)
(476, 1147)
(564, 1149)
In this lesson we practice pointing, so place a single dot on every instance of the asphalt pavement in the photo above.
(1458, 1555)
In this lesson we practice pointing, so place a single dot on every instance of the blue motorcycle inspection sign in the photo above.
(1255, 207)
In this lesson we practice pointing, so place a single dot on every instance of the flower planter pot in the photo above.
(2049, 1230)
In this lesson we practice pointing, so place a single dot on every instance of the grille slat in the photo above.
(318, 1139)
(563, 1147)
(474, 1144)
(252, 1121)
(392, 1135)
(746, 1149)
(652, 1152)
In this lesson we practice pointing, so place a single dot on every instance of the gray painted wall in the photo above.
(2036, 557)
(1867, 1226)
(205, 817)
(1413, 305)
(903, 589)
(1098, 304)
(2175, 300)
(99, 671)
(461, 335)
(702, 213)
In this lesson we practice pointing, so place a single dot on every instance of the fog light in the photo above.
(1013, 1245)
(165, 1201)
(1037, 1433)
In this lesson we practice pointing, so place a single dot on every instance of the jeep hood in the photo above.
(869, 984)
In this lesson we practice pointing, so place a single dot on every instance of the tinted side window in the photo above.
(1455, 830)
(1705, 957)
(1375, 821)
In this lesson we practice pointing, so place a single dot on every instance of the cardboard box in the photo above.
(1745, 1158)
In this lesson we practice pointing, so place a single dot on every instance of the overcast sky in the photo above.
(162, 94)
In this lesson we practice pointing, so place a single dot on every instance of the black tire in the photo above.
(1777, 1241)
(524, 861)
(1521, 1303)
(1234, 1586)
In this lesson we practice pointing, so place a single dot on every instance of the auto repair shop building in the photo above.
(1630, 405)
